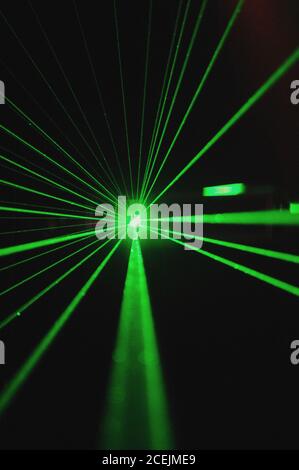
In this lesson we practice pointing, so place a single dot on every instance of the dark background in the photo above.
(224, 337)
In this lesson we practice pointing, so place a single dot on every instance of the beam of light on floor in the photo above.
(136, 413)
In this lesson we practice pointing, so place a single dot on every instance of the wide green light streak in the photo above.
(178, 86)
(272, 80)
(234, 189)
(136, 414)
(18, 380)
(203, 81)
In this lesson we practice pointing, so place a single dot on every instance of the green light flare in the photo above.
(27, 144)
(136, 414)
(47, 268)
(44, 178)
(294, 207)
(30, 258)
(178, 86)
(19, 311)
(203, 81)
(285, 286)
(101, 100)
(144, 93)
(162, 92)
(187, 8)
(272, 80)
(123, 96)
(23, 373)
(47, 195)
(234, 189)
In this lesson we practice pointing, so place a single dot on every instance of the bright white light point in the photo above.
(135, 222)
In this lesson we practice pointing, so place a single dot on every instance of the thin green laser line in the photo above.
(162, 91)
(100, 97)
(204, 79)
(45, 269)
(285, 286)
(272, 80)
(178, 46)
(18, 380)
(178, 86)
(76, 101)
(47, 195)
(123, 97)
(27, 144)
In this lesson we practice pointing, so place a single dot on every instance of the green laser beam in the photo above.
(20, 310)
(136, 413)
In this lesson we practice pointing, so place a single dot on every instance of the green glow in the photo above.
(17, 381)
(294, 207)
(224, 190)
(136, 412)
(272, 80)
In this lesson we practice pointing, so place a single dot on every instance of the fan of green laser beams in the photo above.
(285, 286)
(29, 365)
(136, 414)
(270, 82)
(197, 93)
